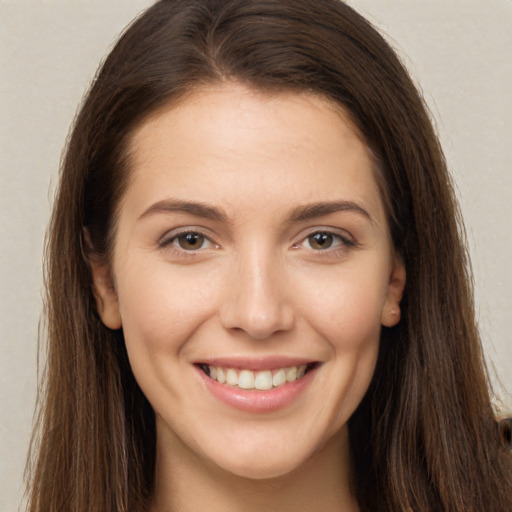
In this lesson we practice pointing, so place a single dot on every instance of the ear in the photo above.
(391, 310)
(103, 286)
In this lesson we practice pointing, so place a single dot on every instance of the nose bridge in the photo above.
(257, 301)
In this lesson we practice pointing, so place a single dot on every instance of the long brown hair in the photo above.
(424, 437)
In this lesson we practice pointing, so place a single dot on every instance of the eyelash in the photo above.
(173, 242)
(344, 242)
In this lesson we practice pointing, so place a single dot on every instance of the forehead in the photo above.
(234, 144)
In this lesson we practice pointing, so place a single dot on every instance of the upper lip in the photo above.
(256, 363)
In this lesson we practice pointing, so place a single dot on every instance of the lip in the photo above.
(257, 401)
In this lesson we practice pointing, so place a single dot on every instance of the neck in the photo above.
(185, 482)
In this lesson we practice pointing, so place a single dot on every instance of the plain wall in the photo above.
(458, 51)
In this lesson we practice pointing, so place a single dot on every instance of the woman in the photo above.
(257, 288)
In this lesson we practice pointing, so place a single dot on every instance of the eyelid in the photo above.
(347, 240)
(168, 238)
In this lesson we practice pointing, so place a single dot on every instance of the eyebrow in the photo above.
(314, 210)
(300, 213)
(195, 208)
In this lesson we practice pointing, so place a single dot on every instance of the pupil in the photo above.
(321, 241)
(191, 241)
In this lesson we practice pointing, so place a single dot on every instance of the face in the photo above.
(251, 274)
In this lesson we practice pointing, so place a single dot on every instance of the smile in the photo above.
(263, 380)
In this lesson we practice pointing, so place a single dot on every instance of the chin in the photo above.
(263, 468)
(277, 458)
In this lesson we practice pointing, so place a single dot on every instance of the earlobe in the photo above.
(391, 312)
(105, 295)
(103, 287)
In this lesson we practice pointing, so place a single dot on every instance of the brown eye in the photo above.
(190, 241)
(321, 241)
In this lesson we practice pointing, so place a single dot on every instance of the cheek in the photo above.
(346, 312)
(160, 310)
(346, 306)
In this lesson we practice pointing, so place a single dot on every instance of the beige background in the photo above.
(460, 51)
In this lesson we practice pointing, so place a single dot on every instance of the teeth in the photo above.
(301, 370)
(279, 378)
(261, 380)
(231, 377)
(291, 374)
(246, 379)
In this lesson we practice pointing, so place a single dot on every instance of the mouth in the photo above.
(260, 380)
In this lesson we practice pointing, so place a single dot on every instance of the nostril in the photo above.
(259, 325)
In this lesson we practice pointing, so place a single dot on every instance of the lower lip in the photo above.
(256, 400)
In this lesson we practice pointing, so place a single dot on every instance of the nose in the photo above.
(256, 297)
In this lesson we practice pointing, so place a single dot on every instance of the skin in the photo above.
(257, 286)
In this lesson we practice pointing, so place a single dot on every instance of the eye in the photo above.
(189, 241)
(324, 240)
(320, 241)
